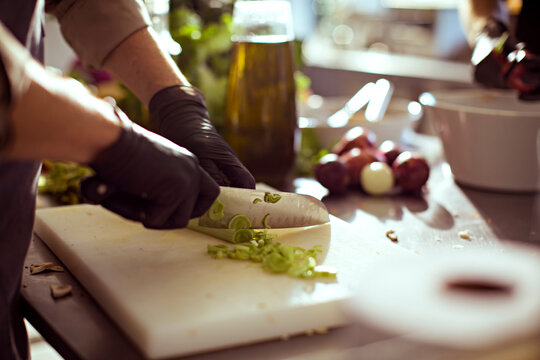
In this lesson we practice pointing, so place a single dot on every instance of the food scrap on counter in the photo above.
(60, 291)
(391, 234)
(47, 266)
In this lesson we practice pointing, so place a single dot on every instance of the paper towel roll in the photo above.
(470, 300)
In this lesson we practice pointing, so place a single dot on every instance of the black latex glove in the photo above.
(147, 178)
(522, 73)
(181, 116)
(501, 63)
(492, 46)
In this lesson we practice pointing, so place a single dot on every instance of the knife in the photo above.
(362, 97)
(273, 209)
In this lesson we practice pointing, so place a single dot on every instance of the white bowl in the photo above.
(400, 118)
(490, 138)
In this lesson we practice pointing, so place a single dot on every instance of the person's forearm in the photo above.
(143, 66)
(474, 15)
(57, 118)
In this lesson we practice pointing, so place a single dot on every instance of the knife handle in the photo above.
(96, 191)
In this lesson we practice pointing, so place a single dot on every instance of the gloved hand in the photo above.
(492, 46)
(522, 73)
(181, 116)
(501, 63)
(147, 178)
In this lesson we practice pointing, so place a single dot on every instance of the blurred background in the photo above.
(418, 45)
(413, 39)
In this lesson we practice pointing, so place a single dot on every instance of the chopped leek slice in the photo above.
(258, 246)
(265, 221)
(216, 210)
(239, 222)
(273, 256)
(277, 262)
(220, 233)
(242, 235)
(271, 198)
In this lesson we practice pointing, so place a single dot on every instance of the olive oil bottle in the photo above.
(261, 122)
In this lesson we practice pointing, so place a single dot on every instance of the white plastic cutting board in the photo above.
(171, 298)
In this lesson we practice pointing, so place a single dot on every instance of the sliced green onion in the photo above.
(216, 210)
(276, 262)
(258, 246)
(239, 222)
(265, 221)
(325, 271)
(257, 200)
(242, 235)
(220, 233)
(274, 257)
(212, 249)
(271, 198)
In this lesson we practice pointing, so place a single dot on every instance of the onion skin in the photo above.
(411, 171)
(377, 178)
(333, 174)
(356, 137)
(356, 159)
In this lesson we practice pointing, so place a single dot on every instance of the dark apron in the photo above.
(528, 25)
(18, 182)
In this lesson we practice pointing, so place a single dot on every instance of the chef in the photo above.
(502, 58)
(161, 180)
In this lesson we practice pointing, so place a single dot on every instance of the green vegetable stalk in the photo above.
(61, 181)
(258, 246)
(274, 257)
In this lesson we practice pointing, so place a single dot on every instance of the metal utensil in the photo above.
(274, 209)
(380, 98)
(359, 100)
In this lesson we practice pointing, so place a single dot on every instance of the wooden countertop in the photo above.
(77, 328)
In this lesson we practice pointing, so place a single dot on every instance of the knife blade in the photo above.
(273, 209)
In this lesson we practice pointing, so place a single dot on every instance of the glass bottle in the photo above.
(261, 122)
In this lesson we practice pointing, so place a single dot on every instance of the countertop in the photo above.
(321, 52)
(77, 328)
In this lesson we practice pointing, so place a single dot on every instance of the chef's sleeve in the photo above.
(94, 28)
(13, 79)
